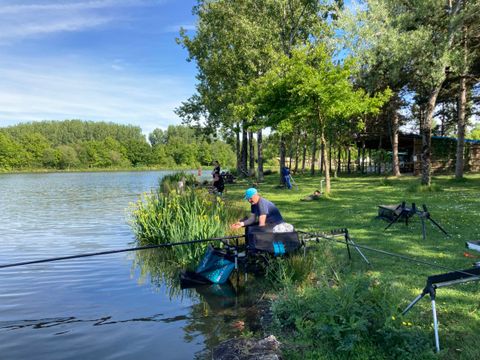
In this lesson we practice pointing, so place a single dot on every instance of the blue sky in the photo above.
(100, 60)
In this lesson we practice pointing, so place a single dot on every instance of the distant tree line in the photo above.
(77, 144)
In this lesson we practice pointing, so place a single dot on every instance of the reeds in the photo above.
(176, 216)
(177, 181)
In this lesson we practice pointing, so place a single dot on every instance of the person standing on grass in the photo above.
(286, 177)
(218, 182)
(263, 213)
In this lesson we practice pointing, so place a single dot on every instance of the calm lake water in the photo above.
(103, 307)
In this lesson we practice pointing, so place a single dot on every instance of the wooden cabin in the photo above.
(443, 152)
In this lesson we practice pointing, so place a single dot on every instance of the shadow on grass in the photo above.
(354, 205)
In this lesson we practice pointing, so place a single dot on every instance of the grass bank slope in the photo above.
(353, 204)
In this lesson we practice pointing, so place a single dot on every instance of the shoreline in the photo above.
(90, 170)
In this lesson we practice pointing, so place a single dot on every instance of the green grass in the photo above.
(353, 204)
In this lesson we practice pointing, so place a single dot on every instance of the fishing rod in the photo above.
(418, 261)
(292, 180)
(146, 247)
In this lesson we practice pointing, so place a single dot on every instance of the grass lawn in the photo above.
(353, 204)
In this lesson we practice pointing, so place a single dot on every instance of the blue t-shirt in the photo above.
(285, 171)
(265, 207)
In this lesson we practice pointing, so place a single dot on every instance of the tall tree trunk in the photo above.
(290, 154)
(327, 166)
(251, 170)
(330, 156)
(260, 156)
(339, 160)
(462, 101)
(349, 160)
(304, 154)
(380, 159)
(363, 157)
(359, 159)
(369, 166)
(296, 152)
(443, 121)
(314, 153)
(237, 149)
(282, 158)
(244, 152)
(426, 131)
(426, 127)
(321, 164)
(394, 140)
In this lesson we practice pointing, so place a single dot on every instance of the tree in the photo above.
(12, 155)
(35, 145)
(138, 152)
(475, 133)
(467, 54)
(422, 34)
(157, 136)
(236, 42)
(308, 85)
(66, 157)
(228, 46)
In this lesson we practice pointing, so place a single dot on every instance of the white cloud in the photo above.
(55, 91)
(9, 33)
(62, 83)
(21, 21)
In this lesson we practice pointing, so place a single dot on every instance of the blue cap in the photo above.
(249, 193)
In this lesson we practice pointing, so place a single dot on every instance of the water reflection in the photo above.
(220, 312)
(106, 320)
(91, 308)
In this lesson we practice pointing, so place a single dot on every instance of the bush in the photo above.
(347, 319)
(269, 172)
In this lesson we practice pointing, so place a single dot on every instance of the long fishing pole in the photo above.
(146, 247)
(327, 237)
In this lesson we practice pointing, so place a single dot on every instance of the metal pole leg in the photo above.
(417, 299)
(361, 254)
(394, 220)
(424, 231)
(435, 326)
(438, 225)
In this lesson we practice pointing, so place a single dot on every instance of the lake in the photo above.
(103, 307)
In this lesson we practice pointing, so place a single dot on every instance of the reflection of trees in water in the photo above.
(219, 307)
(162, 269)
(105, 320)
(217, 316)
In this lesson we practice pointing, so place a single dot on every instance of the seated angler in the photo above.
(315, 196)
(263, 213)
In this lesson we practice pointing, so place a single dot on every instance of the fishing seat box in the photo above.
(389, 212)
(273, 243)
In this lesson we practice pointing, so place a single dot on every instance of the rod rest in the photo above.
(454, 277)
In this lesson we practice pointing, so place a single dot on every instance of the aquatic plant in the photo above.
(159, 218)
(172, 182)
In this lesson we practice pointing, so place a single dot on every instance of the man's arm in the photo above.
(249, 221)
